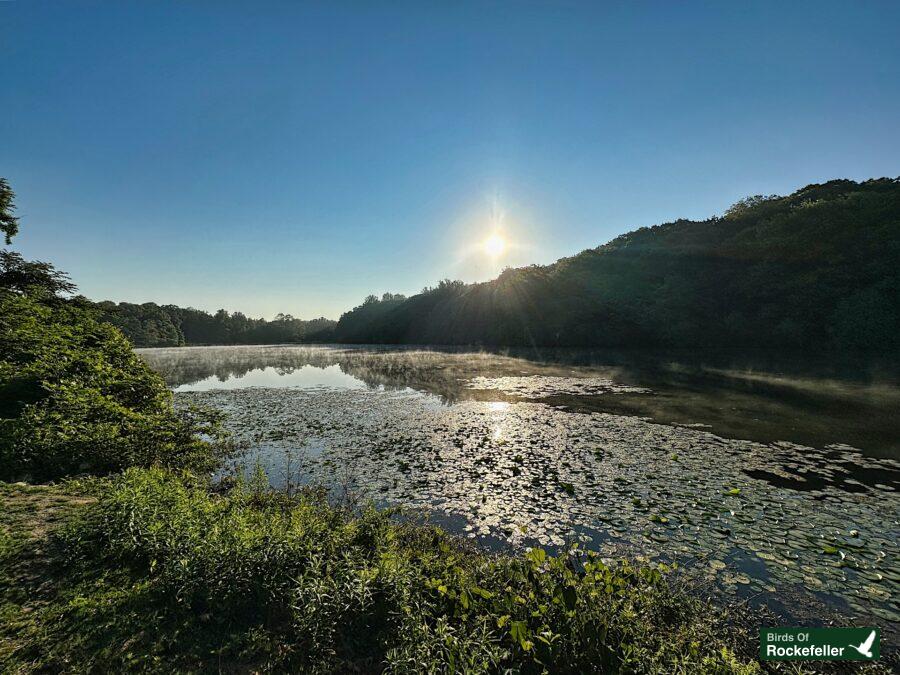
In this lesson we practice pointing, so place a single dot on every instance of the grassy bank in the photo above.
(151, 571)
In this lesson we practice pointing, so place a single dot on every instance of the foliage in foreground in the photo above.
(164, 575)
(74, 397)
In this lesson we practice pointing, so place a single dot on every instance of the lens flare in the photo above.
(494, 245)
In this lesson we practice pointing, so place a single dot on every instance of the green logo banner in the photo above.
(819, 644)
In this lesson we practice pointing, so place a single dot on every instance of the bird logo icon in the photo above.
(865, 648)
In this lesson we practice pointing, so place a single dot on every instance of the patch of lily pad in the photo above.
(518, 472)
(543, 386)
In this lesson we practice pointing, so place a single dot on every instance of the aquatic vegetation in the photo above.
(529, 474)
(537, 386)
(813, 402)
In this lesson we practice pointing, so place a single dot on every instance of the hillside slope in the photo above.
(816, 269)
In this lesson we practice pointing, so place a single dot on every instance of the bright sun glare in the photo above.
(494, 245)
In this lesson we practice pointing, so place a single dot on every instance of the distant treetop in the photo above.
(742, 205)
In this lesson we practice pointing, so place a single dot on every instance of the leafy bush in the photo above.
(273, 582)
(74, 397)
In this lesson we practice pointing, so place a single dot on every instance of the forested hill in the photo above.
(816, 269)
(152, 325)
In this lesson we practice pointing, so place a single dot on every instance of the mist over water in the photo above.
(785, 470)
(757, 396)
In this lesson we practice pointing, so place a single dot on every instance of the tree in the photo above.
(149, 325)
(9, 224)
(748, 203)
(19, 275)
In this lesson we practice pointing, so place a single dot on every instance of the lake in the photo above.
(773, 479)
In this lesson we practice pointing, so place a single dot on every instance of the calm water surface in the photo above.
(767, 477)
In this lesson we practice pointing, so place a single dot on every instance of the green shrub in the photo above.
(74, 397)
(282, 583)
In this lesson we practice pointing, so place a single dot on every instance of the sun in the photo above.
(494, 245)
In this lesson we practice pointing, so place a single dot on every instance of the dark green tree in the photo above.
(19, 275)
(9, 224)
(74, 396)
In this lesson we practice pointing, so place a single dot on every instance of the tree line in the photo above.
(817, 269)
(152, 325)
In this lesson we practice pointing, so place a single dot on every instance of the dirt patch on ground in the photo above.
(31, 511)
(28, 516)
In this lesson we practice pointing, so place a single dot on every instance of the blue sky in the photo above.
(295, 157)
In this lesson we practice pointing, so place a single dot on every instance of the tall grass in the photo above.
(175, 576)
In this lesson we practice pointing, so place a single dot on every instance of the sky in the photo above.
(294, 157)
